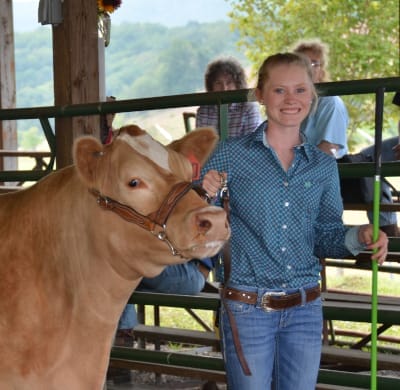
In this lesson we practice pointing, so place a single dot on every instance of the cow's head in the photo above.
(149, 185)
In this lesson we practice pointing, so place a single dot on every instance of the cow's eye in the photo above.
(134, 183)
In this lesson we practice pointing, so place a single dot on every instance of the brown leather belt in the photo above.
(272, 300)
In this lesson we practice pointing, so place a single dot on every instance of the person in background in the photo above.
(390, 151)
(326, 127)
(294, 217)
(187, 278)
(226, 74)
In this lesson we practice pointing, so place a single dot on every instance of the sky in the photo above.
(170, 13)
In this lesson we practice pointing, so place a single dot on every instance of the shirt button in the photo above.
(284, 285)
(289, 267)
(285, 183)
(283, 249)
(284, 226)
(286, 204)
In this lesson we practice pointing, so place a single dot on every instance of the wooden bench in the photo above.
(212, 369)
(6, 188)
(331, 355)
(171, 363)
(335, 305)
(176, 335)
(357, 308)
(356, 360)
(40, 169)
(38, 155)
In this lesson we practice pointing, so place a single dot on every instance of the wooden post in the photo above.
(8, 129)
(76, 72)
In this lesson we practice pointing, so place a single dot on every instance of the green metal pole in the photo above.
(374, 298)
(223, 121)
(379, 98)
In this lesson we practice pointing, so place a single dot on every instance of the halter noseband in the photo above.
(156, 222)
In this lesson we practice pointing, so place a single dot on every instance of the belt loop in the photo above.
(260, 293)
(303, 296)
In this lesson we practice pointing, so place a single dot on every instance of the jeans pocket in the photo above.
(237, 307)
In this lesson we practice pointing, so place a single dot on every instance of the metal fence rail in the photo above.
(222, 99)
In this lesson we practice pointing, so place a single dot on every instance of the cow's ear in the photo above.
(86, 154)
(198, 143)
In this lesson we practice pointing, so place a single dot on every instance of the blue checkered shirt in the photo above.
(282, 222)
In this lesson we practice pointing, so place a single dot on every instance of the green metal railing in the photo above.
(222, 99)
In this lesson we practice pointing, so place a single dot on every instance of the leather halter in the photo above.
(156, 222)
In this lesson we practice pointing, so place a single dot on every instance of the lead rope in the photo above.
(224, 195)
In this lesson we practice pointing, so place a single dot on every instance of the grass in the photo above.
(360, 281)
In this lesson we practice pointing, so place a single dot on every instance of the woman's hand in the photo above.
(365, 236)
(396, 151)
(212, 182)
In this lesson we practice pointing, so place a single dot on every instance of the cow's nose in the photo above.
(212, 219)
(204, 224)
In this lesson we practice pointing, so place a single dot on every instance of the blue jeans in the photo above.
(282, 348)
(385, 218)
(175, 279)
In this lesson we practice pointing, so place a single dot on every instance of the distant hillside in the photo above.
(141, 60)
(152, 60)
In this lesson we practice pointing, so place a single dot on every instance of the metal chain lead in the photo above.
(223, 192)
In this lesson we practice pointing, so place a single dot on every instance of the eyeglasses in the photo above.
(315, 64)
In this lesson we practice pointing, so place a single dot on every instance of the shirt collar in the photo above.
(260, 136)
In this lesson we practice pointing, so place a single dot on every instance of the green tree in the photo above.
(31, 138)
(363, 36)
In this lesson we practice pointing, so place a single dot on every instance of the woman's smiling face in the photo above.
(287, 95)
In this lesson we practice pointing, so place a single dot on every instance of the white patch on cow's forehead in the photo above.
(148, 147)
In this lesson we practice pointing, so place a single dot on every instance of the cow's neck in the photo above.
(111, 270)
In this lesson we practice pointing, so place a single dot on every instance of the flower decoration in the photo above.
(104, 9)
(108, 6)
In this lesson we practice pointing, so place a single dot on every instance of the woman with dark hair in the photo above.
(226, 74)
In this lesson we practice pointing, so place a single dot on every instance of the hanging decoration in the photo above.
(50, 12)
(104, 9)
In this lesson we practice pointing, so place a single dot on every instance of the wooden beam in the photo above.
(8, 129)
(76, 72)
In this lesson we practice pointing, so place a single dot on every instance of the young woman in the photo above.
(286, 213)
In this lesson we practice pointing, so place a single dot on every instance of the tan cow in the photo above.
(75, 245)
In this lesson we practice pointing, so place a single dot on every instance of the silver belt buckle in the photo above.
(266, 296)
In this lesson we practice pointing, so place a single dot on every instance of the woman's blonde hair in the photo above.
(286, 59)
(320, 49)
